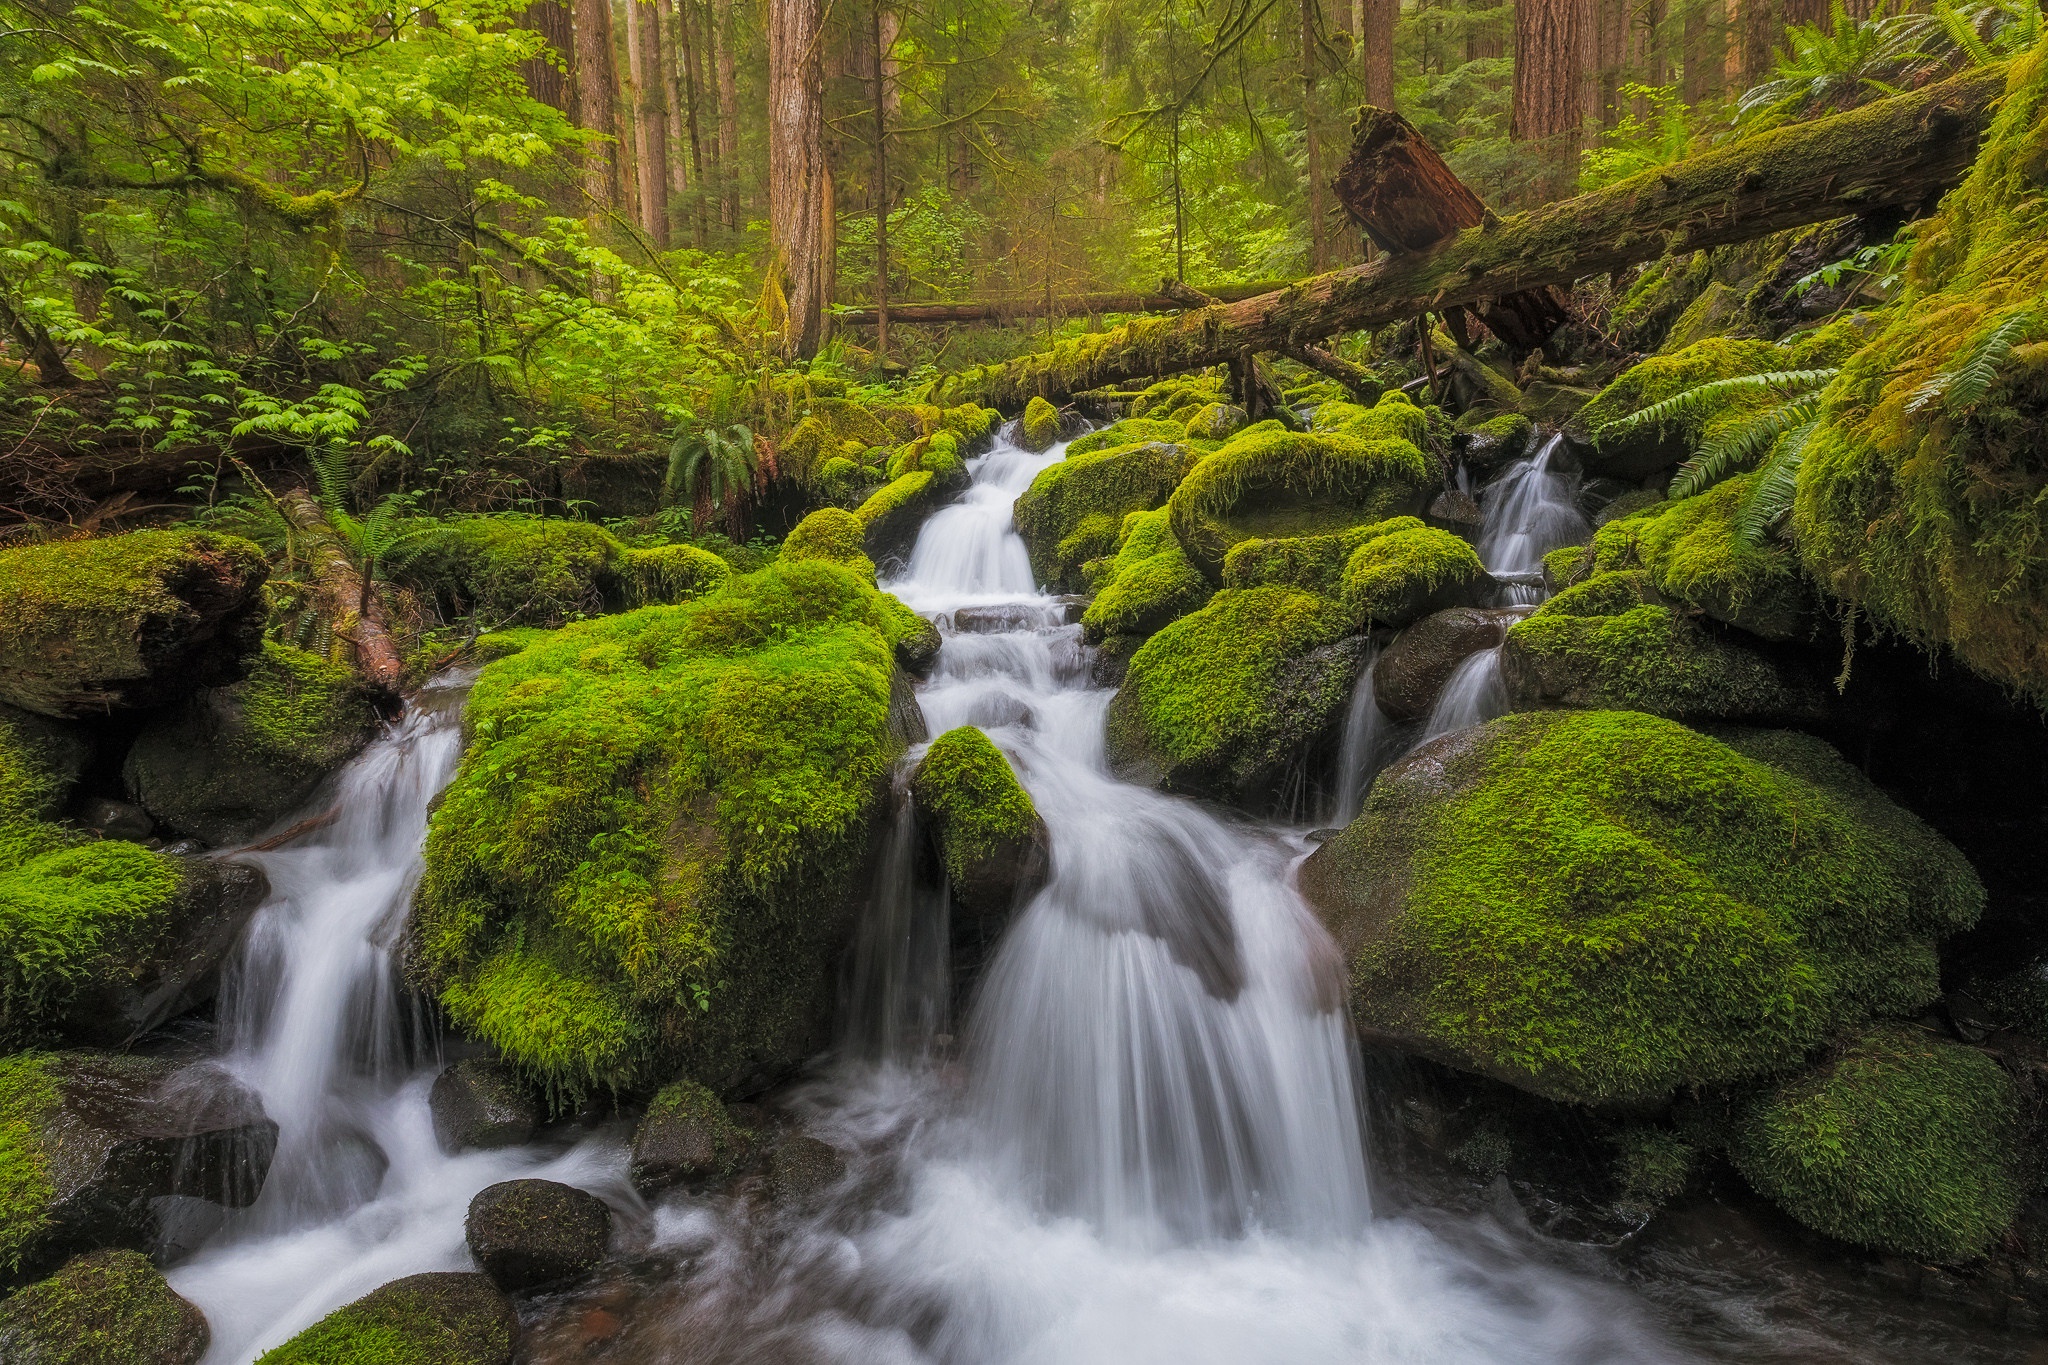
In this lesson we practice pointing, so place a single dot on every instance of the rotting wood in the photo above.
(342, 595)
(1072, 305)
(1898, 153)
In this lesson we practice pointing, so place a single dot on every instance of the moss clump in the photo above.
(1492, 441)
(1182, 395)
(1276, 484)
(433, 1319)
(895, 511)
(1606, 907)
(1224, 701)
(1130, 431)
(29, 1095)
(1147, 585)
(231, 761)
(1695, 555)
(1215, 422)
(973, 427)
(976, 809)
(1393, 417)
(1645, 450)
(1040, 426)
(833, 428)
(644, 864)
(1567, 565)
(1902, 1141)
(1311, 563)
(1108, 484)
(40, 762)
(1400, 575)
(1611, 643)
(514, 569)
(1920, 495)
(133, 620)
(666, 574)
(832, 534)
(687, 1135)
(108, 1308)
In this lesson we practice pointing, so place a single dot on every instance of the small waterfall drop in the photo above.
(1472, 695)
(1363, 749)
(1530, 510)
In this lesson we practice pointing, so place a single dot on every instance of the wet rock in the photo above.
(153, 971)
(480, 1102)
(117, 820)
(1488, 445)
(687, 1137)
(107, 1308)
(988, 834)
(1412, 671)
(526, 1234)
(918, 652)
(111, 1135)
(802, 1169)
(441, 1318)
(1455, 510)
(997, 620)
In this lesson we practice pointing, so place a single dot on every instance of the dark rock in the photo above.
(802, 1169)
(1412, 671)
(108, 1308)
(1454, 510)
(918, 652)
(440, 1318)
(114, 1134)
(117, 820)
(526, 1234)
(172, 964)
(686, 1137)
(997, 620)
(983, 825)
(480, 1102)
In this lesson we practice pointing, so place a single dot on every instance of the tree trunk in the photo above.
(1376, 48)
(1318, 257)
(675, 44)
(343, 595)
(1899, 153)
(548, 75)
(728, 120)
(650, 116)
(597, 100)
(1759, 30)
(1554, 59)
(1611, 31)
(1069, 305)
(691, 67)
(879, 193)
(1705, 44)
(799, 209)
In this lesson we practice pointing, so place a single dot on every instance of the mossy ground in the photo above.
(640, 866)
(1607, 907)
(977, 808)
(107, 1308)
(1902, 1141)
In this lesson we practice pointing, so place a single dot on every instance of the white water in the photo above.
(1473, 695)
(1364, 748)
(313, 1019)
(1530, 510)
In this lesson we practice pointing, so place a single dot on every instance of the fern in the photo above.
(1731, 450)
(1682, 404)
(1777, 481)
(1961, 387)
(330, 474)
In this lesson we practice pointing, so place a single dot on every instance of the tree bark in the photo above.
(1318, 256)
(1899, 153)
(1611, 30)
(799, 182)
(1759, 30)
(1362, 383)
(880, 190)
(597, 100)
(1376, 48)
(1705, 45)
(548, 77)
(690, 69)
(343, 594)
(650, 116)
(728, 119)
(675, 44)
(1554, 61)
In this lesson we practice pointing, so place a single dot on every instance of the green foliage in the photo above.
(432, 1319)
(1606, 907)
(978, 809)
(1391, 578)
(28, 1096)
(1698, 552)
(104, 1307)
(1901, 1141)
(1104, 484)
(1638, 142)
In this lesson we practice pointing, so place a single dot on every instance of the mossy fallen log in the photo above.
(1895, 153)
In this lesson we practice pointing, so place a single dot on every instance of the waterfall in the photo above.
(1530, 510)
(1362, 750)
(1472, 695)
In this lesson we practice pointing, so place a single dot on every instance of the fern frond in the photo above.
(1961, 387)
(330, 474)
(1678, 405)
(1733, 449)
(1776, 483)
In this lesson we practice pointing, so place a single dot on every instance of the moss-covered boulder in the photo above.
(531, 1234)
(1129, 431)
(89, 1140)
(1280, 484)
(1489, 443)
(832, 428)
(1178, 398)
(686, 1137)
(988, 834)
(108, 1308)
(230, 761)
(1412, 671)
(480, 1103)
(1148, 584)
(1227, 701)
(1613, 643)
(833, 534)
(440, 1318)
(1920, 493)
(1215, 422)
(1606, 907)
(1039, 428)
(1387, 573)
(1074, 511)
(1899, 1140)
(1643, 450)
(1695, 555)
(127, 621)
(650, 857)
(509, 569)
(891, 516)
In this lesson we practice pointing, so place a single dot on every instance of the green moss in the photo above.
(1506, 433)
(1214, 422)
(1608, 907)
(108, 1308)
(1902, 1141)
(687, 1103)
(432, 1319)
(1694, 554)
(40, 762)
(1270, 485)
(666, 574)
(1311, 563)
(1394, 417)
(833, 428)
(511, 569)
(1145, 596)
(1652, 1166)
(83, 623)
(29, 1095)
(1108, 483)
(1176, 394)
(831, 534)
(978, 809)
(499, 644)
(1565, 565)
(1130, 431)
(1394, 577)
(1917, 501)
(1040, 427)
(972, 426)
(647, 853)
(1643, 450)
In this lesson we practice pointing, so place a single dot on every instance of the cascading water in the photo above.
(1364, 747)
(314, 1020)
(1530, 510)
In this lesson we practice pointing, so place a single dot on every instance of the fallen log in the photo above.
(1072, 305)
(1363, 383)
(343, 596)
(1898, 153)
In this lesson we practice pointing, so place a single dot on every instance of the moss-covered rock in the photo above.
(833, 534)
(1384, 573)
(118, 622)
(1695, 555)
(1606, 907)
(1279, 484)
(892, 515)
(1178, 398)
(833, 428)
(1920, 493)
(686, 1136)
(533, 1234)
(1074, 511)
(1215, 422)
(648, 860)
(1491, 443)
(440, 1318)
(667, 574)
(1040, 426)
(1412, 671)
(232, 760)
(989, 836)
(1227, 701)
(1148, 584)
(1612, 643)
(1641, 451)
(1900, 1141)
(515, 569)
(1130, 431)
(107, 1308)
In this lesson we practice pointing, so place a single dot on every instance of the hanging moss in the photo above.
(1901, 1141)
(1108, 484)
(1606, 907)
(1040, 427)
(1921, 493)
(1695, 555)
(646, 862)
(433, 1319)
(132, 620)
